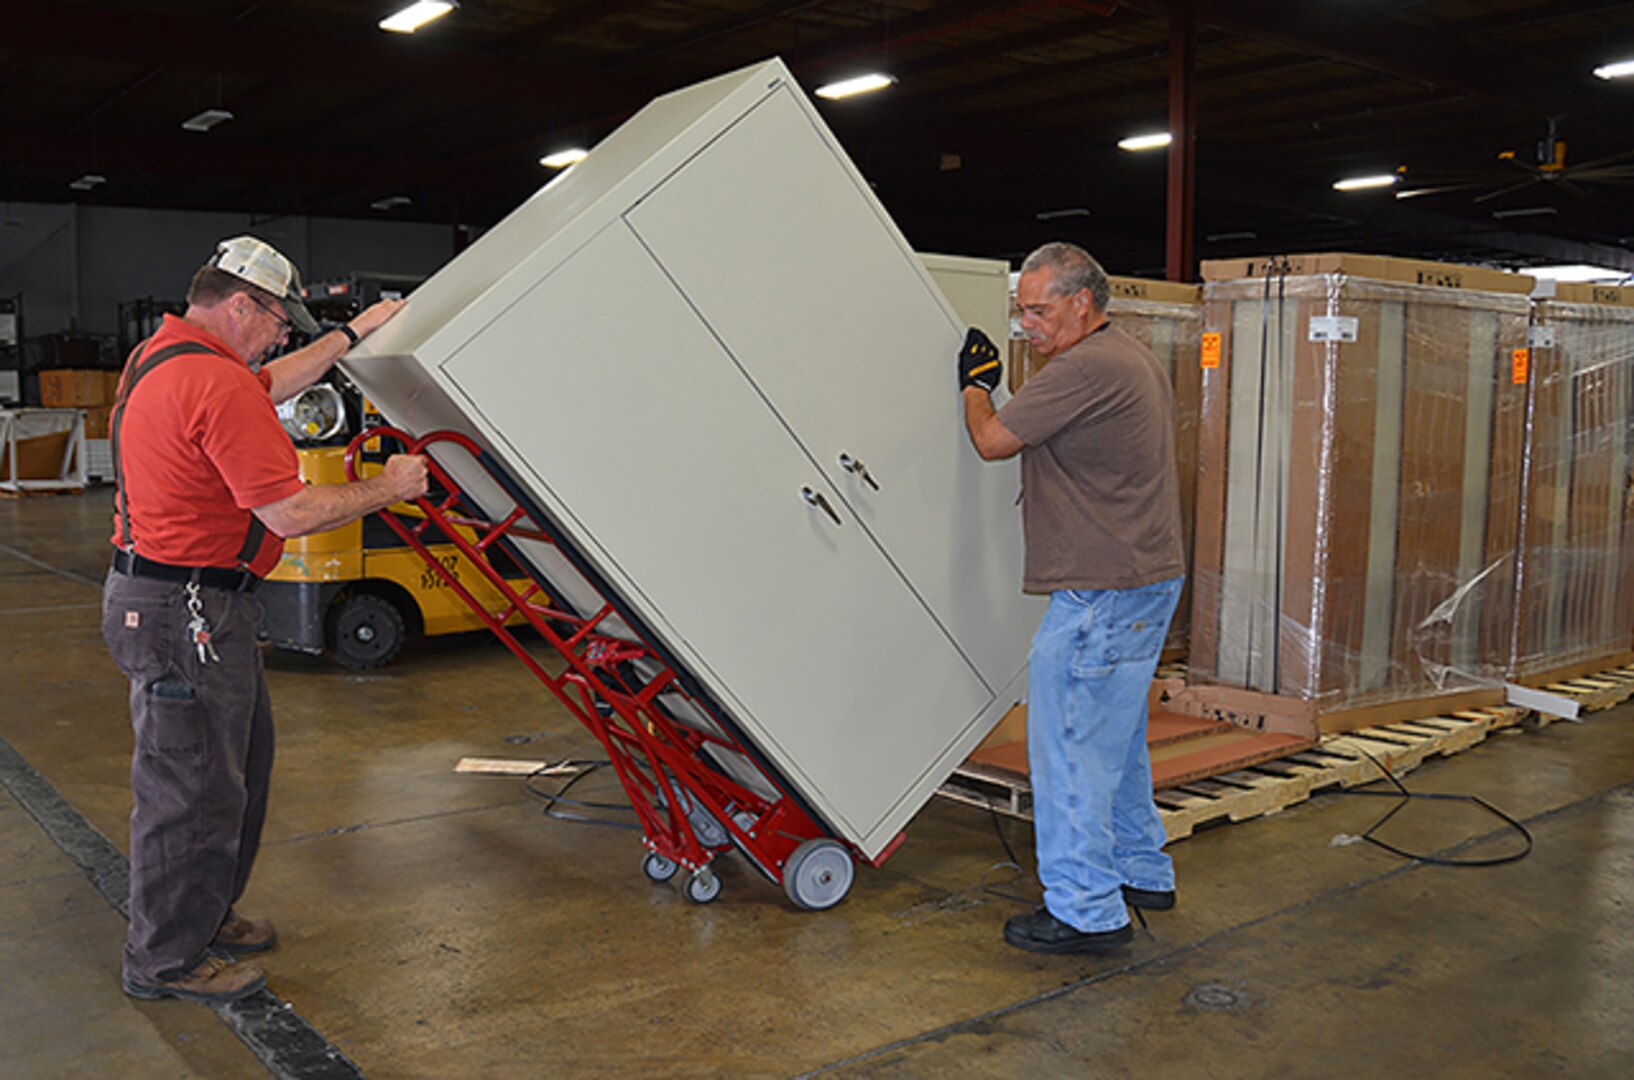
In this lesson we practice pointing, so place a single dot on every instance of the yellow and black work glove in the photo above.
(979, 361)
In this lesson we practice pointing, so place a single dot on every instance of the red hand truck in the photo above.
(629, 693)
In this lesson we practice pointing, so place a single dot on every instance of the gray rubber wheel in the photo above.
(658, 868)
(703, 886)
(818, 874)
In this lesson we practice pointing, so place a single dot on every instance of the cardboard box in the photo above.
(39, 457)
(1583, 292)
(77, 388)
(1165, 292)
(41, 450)
(1376, 267)
(96, 421)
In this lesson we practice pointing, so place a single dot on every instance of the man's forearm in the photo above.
(300, 369)
(326, 506)
(992, 440)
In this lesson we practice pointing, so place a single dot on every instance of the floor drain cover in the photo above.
(1216, 997)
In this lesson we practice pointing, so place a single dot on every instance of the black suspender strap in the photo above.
(252, 541)
(136, 367)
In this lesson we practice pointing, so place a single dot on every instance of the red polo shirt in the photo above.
(199, 446)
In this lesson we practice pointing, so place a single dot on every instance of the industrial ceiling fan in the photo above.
(1549, 167)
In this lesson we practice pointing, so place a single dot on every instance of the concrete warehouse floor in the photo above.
(438, 925)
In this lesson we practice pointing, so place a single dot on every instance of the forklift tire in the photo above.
(363, 631)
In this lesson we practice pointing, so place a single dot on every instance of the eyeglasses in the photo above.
(284, 321)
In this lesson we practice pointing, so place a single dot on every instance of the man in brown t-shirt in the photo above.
(1101, 513)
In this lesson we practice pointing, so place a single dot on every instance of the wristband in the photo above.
(352, 336)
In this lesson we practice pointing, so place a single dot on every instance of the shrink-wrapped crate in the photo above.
(1575, 571)
(1359, 476)
(1166, 317)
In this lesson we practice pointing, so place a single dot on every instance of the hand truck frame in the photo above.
(627, 691)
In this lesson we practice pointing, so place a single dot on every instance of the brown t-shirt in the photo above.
(1100, 495)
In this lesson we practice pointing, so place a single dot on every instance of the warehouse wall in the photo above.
(74, 265)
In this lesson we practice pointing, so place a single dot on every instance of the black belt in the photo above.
(216, 577)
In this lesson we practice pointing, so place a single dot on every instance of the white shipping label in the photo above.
(1540, 337)
(1333, 328)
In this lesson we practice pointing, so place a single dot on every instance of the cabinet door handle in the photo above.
(815, 498)
(852, 465)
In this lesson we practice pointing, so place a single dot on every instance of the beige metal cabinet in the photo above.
(714, 361)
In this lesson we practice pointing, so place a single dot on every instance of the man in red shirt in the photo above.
(208, 488)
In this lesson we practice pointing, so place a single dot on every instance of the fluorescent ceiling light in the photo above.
(206, 120)
(862, 84)
(561, 159)
(1575, 272)
(1361, 183)
(390, 202)
(1157, 140)
(1071, 211)
(89, 181)
(1622, 69)
(417, 15)
(1220, 238)
(1525, 211)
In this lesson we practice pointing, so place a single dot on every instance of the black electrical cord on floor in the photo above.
(553, 799)
(1010, 863)
(1406, 796)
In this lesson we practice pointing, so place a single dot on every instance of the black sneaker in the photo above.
(1043, 932)
(1149, 899)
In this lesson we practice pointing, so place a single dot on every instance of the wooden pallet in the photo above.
(1339, 761)
(1599, 691)
(999, 790)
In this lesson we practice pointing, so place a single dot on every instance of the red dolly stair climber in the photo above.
(697, 789)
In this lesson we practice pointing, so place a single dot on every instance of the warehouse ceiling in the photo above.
(999, 133)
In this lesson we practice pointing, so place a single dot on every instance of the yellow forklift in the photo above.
(356, 593)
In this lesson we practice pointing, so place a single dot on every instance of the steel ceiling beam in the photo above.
(1179, 261)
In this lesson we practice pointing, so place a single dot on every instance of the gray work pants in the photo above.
(200, 769)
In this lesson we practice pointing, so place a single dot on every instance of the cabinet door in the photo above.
(830, 315)
(666, 466)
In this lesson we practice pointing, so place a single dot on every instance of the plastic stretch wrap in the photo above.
(1359, 475)
(1575, 571)
(1172, 330)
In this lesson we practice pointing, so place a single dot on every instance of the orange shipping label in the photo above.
(1520, 365)
(1211, 350)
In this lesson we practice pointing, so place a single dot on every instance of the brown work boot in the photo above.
(239, 935)
(215, 979)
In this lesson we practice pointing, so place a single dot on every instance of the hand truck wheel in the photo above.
(658, 868)
(818, 874)
(703, 886)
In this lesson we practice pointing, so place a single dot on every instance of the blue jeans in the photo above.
(1094, 821)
